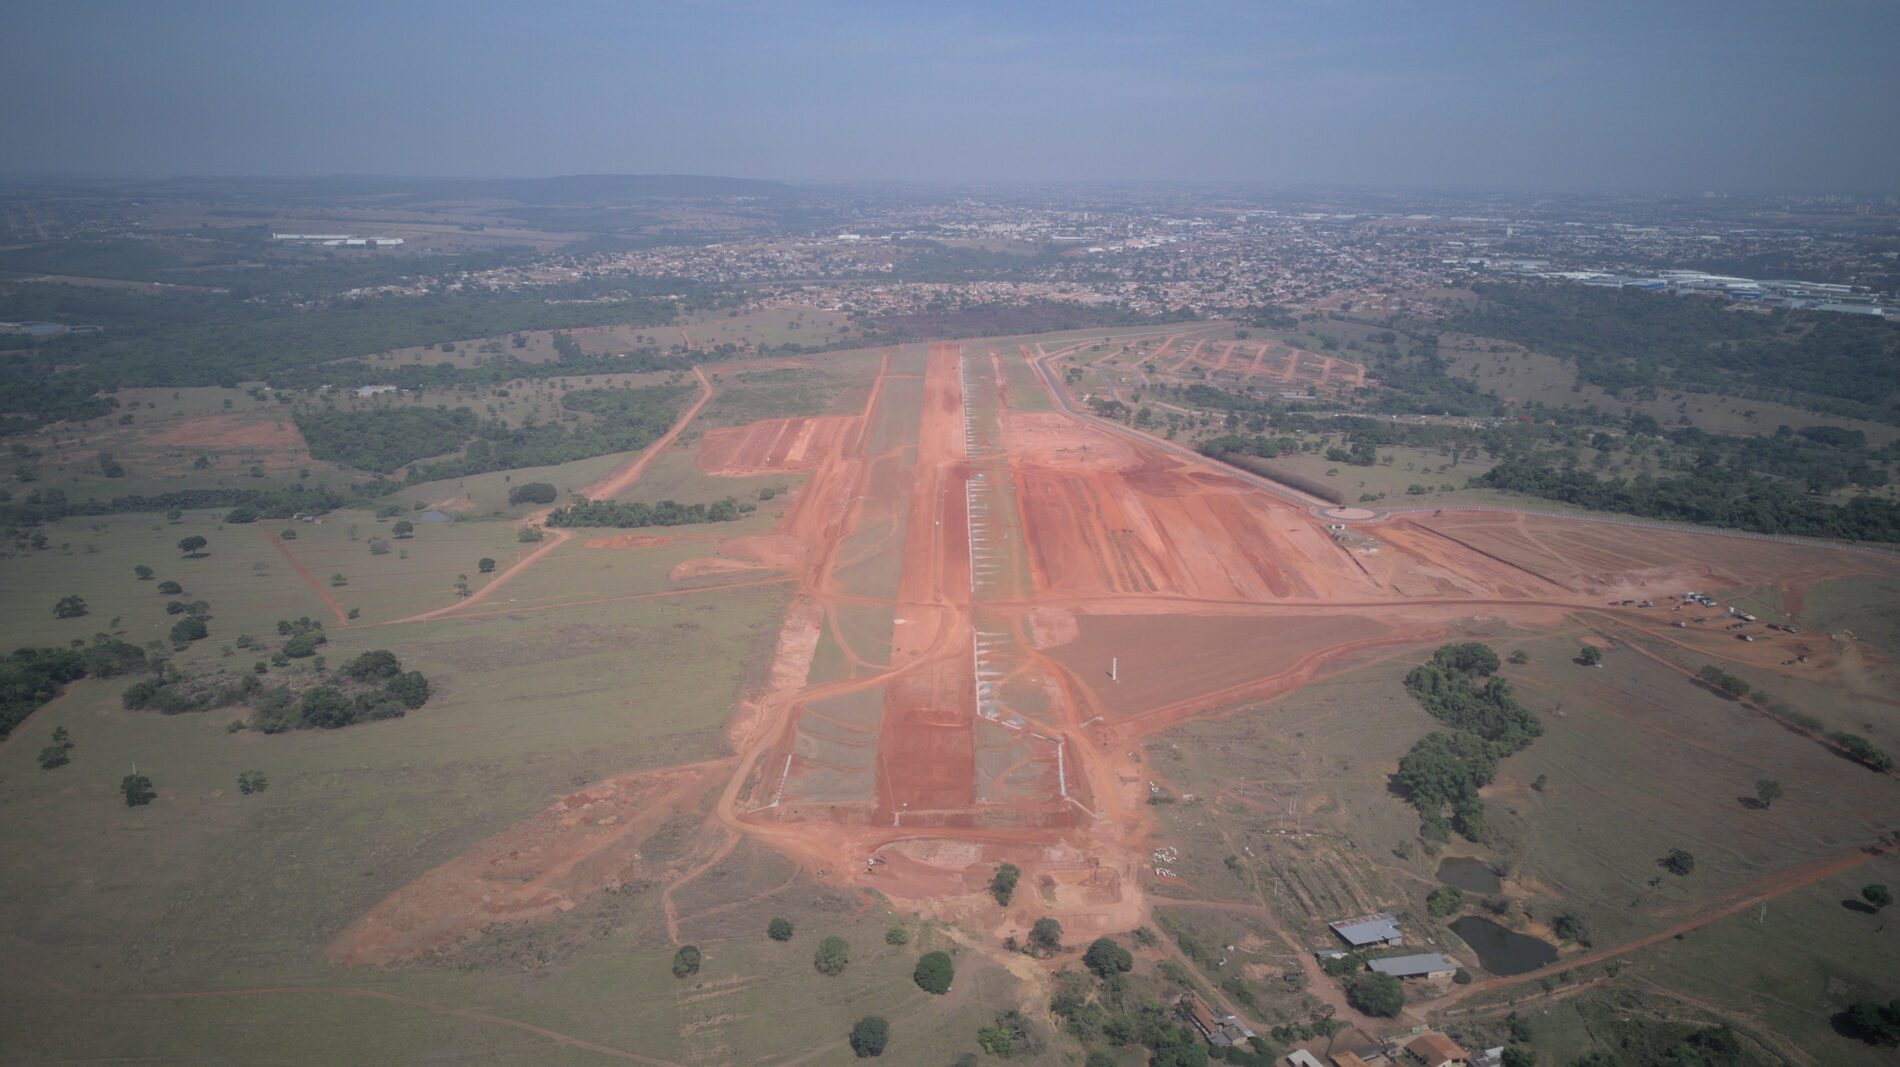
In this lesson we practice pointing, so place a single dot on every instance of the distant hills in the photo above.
(541, 192)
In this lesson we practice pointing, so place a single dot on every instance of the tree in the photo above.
(339, 579)
(934, 973)
(1376, 994)
(686, 961)
(169, 588)
(143, 572)
(59, 753)
(304, 644)
(1444, 900)
(532, 493)
(897, 935)
(1106, 958)
(137, 789)
(1679, 862)
(869, 1035)
(252, 782)
(1003, 883)
(69, 607)
(1590, 656)
(1876, 1023)
(779, 929)
(1876, 894)
(192, 546)
(186, 631)
(373, 666)
(1572, 927)
(1046, 934)
(403, 529)
(485, 565)
(410, 687)
(1767, 791)
(832, 955)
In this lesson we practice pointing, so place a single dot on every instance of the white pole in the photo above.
(1114, 669)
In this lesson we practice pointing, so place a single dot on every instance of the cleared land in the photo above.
(965, 626)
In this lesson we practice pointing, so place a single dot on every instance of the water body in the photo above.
(1472, 876)
(1502, 951)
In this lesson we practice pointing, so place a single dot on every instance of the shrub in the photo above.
(1679, 862)
(170, 589)
(779, 929)
(1046, 934)
(897, 935)
(869, 1036)
(1444, 900)
(373, 666)
(304, 644)
(252, 781)
(934, 973)
(832, 955)
(137, 789)
(1376, 994)
(411, 688)
(187, 631)
(1003, 884)
(143, 572)
(485, 565)
(686, 961)
(533, 493)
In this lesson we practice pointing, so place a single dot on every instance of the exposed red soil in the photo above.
(581, 843)
(231, 433)
(1210, 591)
(771, 446)
(628, 541)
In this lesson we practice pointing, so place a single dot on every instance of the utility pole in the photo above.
(1113, 668)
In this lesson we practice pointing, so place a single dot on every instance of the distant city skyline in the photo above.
(1741, 96)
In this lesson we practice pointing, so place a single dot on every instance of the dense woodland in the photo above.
(1624, 340)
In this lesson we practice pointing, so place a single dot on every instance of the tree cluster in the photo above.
(634, 514)
(1446, 770)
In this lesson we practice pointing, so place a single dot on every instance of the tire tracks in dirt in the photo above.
(309, 579)
(612, 485)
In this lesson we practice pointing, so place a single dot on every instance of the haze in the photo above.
(1765, 96)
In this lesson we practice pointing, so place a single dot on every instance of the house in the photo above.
(1219, 1030)
(1369, 931)
(1491, 1057)
(1437, 1050)
(1349, 1059)
(1299, 1057)
(1430, 965)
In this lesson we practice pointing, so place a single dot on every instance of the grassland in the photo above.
(1635, 760)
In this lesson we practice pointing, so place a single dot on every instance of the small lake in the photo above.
(1502, 951)
(1472, 876)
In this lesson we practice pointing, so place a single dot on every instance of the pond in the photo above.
(1472, 876)
(1502, 951)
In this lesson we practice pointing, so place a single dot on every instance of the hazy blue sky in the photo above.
(1580, 94)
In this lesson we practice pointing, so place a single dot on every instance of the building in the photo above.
(1219, 1030)
(1430, 965)
(1437, 1050)
(1369, 931)
(1299, 1057)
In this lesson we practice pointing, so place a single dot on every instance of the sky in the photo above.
(1583, 95)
